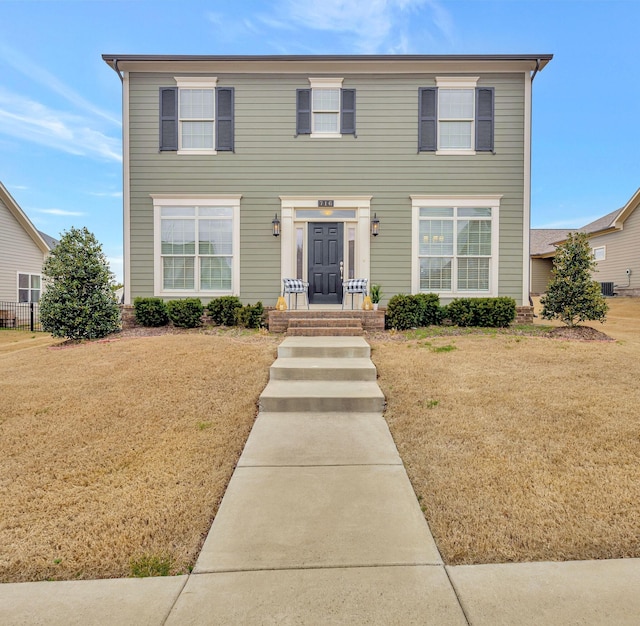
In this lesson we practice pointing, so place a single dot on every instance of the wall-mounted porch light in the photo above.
(375, 226)
(275, 223)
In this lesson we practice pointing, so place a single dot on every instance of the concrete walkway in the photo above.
(320, 525)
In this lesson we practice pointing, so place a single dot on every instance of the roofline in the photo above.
(22, 219)
(537, 61)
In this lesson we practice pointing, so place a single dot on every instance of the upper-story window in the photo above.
(456, 117)
(326, 110)
(196, 117)
(600, 253)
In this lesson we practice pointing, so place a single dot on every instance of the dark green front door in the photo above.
(326, 262)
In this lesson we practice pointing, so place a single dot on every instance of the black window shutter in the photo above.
(303, 111)
(168, 118)
(224, 119)
(428, 120)
(484, 119)
(348, 112)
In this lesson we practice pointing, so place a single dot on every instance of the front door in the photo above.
(326, 262)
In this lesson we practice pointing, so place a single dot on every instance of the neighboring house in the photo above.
(221, 151)
(615, 241)
(23, 249)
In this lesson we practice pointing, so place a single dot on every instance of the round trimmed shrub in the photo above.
(403, 312)
(150, 311)
(223, 310)
(186, 313)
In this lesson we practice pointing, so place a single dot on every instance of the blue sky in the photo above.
(60, 105)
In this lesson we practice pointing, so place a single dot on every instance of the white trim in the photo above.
(126, 191)
(457, 82)
(419, 201)
(454, 151)
(526, 194)
(160, 200)
(362, 220)
(326, 83)
(196, 82)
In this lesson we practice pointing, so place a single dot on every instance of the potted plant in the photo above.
(375, 293)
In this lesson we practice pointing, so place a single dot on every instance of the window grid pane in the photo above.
(325, 123)
(326, 100)
(435, 274)
(474, 238)
(178, 272)
(455, 135)
(215, 237)
(436, 237)
(473, 274)
(196, 104)
(178, 237)
(215, 273)
(197, 135)
(456, 104)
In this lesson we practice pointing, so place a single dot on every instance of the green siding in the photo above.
(382, 161)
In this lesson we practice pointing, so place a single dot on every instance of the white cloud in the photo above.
(38, 74)
(28, 120)
(106, 194)
(375, 26)
(60, 212)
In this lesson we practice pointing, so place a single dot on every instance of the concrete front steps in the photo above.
(325, 327)
(305, 366)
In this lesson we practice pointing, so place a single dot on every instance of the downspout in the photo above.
(532, 76)
(115, 67)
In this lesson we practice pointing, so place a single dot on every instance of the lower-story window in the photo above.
(29, 286)
(455, 245)
(196, 245)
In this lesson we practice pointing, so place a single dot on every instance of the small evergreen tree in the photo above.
(572, 294)
(78, 302)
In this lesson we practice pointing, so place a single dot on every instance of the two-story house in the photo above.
(410, 171)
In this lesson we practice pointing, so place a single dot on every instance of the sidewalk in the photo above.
(320, 525)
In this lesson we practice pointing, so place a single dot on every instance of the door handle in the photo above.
(341, 270)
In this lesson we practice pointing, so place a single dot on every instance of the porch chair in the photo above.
(353, 286)
(295, 286)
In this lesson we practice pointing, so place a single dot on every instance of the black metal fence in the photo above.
(20, 315)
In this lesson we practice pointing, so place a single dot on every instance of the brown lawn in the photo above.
(114, 450)
(521, 448)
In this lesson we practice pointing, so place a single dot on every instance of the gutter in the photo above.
(121, 76)
(532, 77)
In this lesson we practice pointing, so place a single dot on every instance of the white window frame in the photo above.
(29, 289)
(185, 200)
(598, 249)
(326, 83)
(457, 82)
(475, 202)
(196, 82)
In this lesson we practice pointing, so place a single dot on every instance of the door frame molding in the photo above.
(288, 206)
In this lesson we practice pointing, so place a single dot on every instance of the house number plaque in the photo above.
(325, 203)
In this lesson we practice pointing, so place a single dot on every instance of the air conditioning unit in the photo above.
(607, 289)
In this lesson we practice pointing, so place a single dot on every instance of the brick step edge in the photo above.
(350, 322)
(325, 332)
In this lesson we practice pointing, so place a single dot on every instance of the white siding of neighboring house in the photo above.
(622, 253)
(18, 253)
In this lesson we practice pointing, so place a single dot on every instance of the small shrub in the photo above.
(151, 311)
(430, 310)
(482, 312)
(572, 294)
(186, 313)
(403, 312)
(151, 565)
(250, 316)
(223, 310)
